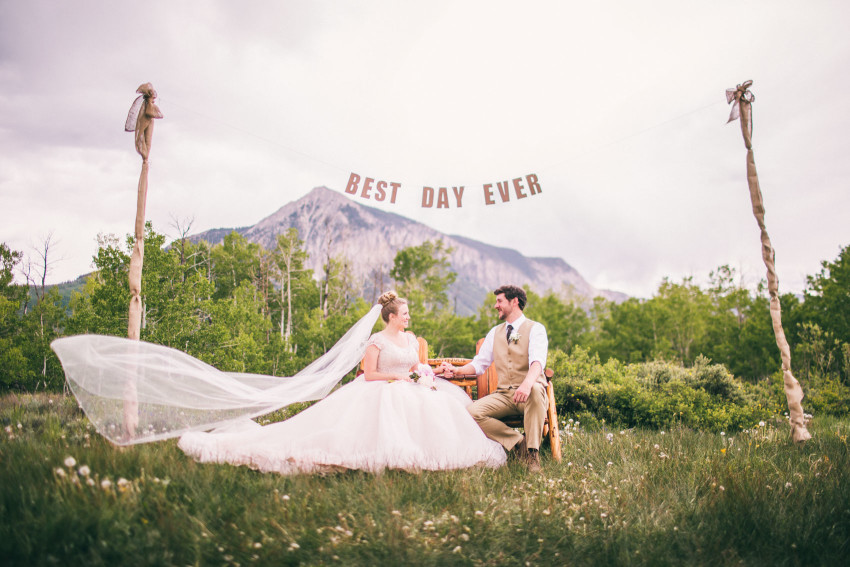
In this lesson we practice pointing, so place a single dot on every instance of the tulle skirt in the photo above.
(369, 426)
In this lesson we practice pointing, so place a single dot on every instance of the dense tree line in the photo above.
(244, 308)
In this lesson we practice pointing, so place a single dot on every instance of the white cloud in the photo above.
(617, 106)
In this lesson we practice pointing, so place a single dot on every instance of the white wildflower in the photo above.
(84, 470)
(70, 462)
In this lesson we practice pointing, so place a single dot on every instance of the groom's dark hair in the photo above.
(512, 291)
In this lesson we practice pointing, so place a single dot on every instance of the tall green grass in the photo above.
(621, 497)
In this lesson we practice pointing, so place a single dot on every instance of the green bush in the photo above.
(716, 380)
(827, 395)
(654, 394)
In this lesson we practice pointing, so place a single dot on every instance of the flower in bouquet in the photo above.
(424, 375)
(515, 336)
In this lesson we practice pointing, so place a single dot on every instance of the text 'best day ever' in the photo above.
(445, 197)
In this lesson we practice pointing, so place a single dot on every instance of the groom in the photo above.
(518, 347)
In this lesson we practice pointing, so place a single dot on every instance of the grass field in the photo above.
(632, 497)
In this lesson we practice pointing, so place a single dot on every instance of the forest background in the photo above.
(704, 357)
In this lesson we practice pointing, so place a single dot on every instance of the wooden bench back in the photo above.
(488, 381)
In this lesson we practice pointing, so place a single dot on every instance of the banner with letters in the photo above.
(499, 192)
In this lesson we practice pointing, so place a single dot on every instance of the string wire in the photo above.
(567, 159)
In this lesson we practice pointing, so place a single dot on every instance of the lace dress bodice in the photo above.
(393, 359)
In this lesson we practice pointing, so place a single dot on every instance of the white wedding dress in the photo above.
(365, 425)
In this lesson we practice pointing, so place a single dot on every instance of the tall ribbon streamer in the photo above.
(741, 99)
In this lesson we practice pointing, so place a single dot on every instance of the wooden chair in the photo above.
(487, 382)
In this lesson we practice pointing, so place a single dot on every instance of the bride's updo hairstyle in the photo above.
(389, 304)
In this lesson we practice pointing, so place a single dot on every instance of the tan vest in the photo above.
(511, 359)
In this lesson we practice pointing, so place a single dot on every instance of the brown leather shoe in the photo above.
(520, 450)
(533, 461)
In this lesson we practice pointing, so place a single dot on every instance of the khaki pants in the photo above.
(501, 404)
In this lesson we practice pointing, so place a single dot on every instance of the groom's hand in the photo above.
(521, 394)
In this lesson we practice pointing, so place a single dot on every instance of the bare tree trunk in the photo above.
(182, 226)
(288, 299)
(282, 312)
(327, 282)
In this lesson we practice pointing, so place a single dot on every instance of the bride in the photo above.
(382, 419)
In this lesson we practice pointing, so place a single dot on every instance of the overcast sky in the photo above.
(617, 107)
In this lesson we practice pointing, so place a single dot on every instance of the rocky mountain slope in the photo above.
(328, 221)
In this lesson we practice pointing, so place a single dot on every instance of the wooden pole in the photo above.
(742, 107)
(139, 120)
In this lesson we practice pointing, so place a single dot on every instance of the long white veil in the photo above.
(137, 392)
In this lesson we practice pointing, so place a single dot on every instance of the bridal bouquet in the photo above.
(424, 375)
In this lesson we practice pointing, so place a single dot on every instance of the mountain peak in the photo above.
(331, 224)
